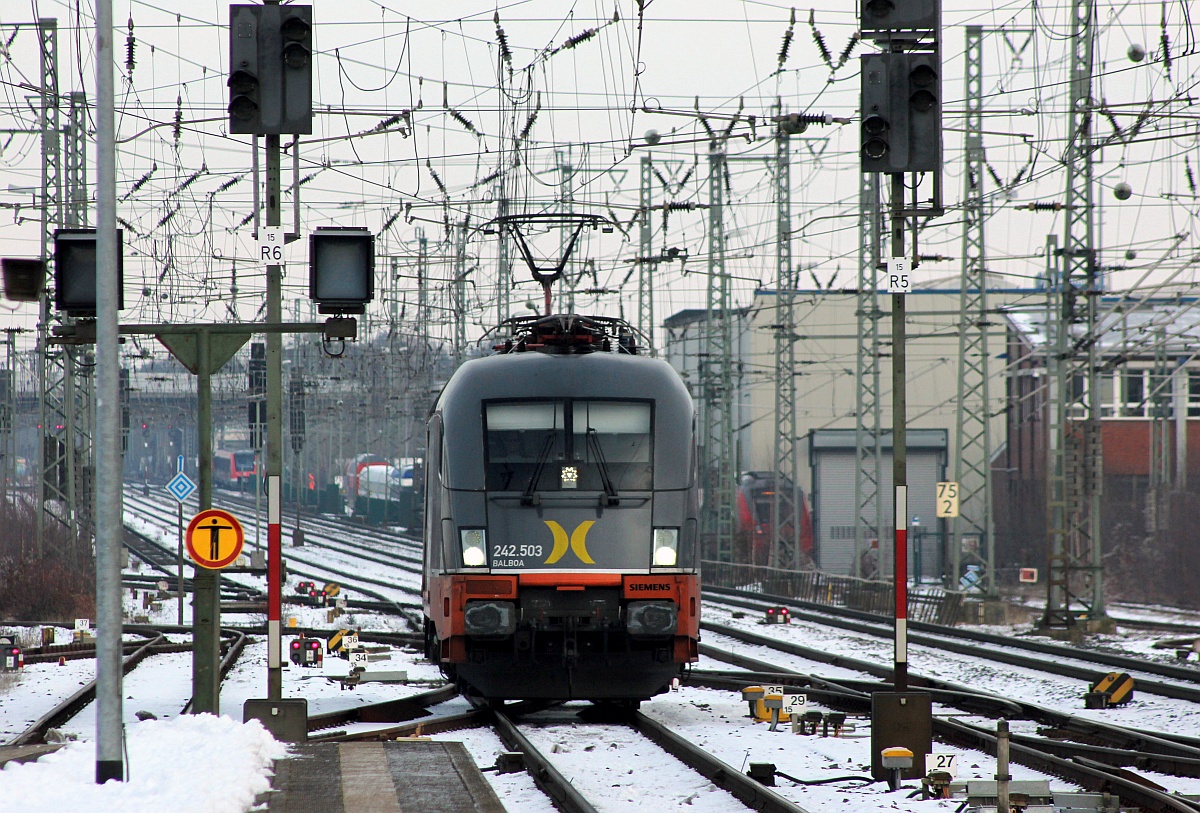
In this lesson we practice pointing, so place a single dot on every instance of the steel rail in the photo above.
(545, 775)
(856, 699)
(400, 710)
(82, 651)
(748, 791)
(233, 652)
(846, 618)
(1087, 773)
(347, 578)
(1120, 736)
(68, 708)
(963, 697)
(339, 525)
(434, 724)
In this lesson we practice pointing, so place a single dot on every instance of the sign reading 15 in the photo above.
(947, 499)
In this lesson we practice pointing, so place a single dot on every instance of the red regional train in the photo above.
(234, 470)
(755, 504)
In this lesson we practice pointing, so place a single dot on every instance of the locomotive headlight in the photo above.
(474, 547)
(666, 547)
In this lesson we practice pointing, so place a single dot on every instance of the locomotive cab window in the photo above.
(563, 445)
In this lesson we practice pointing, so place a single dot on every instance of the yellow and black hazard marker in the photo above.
(1116, 688)
(335, 641)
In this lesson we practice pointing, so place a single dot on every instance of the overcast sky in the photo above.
(462, 107)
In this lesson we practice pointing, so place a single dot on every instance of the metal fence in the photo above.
(930, 604)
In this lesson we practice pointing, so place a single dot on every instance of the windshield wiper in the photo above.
(529, 498)
(610, 492)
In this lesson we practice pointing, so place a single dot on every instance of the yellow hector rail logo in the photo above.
(578, 541)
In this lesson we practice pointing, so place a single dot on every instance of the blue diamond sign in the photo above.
(181, 487)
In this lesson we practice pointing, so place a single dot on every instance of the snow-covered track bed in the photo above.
(1103, 767)
(66, 708)
(1182, 681)
(395, 586)
(566, 757)
(400, 545)
(1059, 701)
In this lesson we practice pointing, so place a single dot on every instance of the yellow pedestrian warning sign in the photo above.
(214, 539)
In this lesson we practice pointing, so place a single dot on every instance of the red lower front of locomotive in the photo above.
(564, 636)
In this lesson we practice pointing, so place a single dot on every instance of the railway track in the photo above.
(1065, 661)
(518, 726)
(397, 600)
(1110, 749)
(155, 643)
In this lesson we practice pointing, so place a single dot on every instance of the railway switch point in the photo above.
(807, 723)
(509, 762)
(835, 720)
(763, 773)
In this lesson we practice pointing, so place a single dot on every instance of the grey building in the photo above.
(832, 463)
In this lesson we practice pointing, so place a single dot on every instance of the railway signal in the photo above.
(270, 62)
(296, 404)
(24, 278)
(257, 407)
(901, 112)
(75, 271)
(884, 19)
(341, 269)
(307, 652)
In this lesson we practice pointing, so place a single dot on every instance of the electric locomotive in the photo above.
(561, 518)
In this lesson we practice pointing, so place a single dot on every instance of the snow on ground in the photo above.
(36, 689)
(1145, 711)
(718, 721)
(172, 766)
(620, 770)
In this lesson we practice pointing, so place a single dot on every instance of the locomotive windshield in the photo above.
(243, 461)
(560, 445)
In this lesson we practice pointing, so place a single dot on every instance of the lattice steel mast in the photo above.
(785, 519)
(1074, 467)
(868, 471)
(717, 373)
(56, 461)
(646, 264)
(973, 442)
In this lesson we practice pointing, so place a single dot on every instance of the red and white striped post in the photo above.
(901, 588)
(274, 588)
